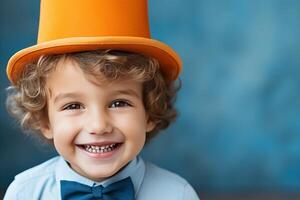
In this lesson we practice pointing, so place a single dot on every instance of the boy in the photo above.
(98, 87)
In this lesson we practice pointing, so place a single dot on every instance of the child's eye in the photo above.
(119, 103)
(73, 106)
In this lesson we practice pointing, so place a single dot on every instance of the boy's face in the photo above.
(97, 128)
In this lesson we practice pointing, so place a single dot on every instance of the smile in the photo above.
(100, 149)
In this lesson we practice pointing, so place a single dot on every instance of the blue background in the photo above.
(238, 129)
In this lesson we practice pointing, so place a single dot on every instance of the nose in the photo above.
(98, 122)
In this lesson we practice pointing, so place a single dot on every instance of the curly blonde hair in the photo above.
(27, 100)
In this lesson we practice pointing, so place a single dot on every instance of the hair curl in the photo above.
(27, 100)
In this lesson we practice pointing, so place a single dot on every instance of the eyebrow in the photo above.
(129, 92)
(65, 95)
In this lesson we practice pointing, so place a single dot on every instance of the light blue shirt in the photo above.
(150, 182)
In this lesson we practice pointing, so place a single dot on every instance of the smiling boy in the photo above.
(98, 128)
(98, 90)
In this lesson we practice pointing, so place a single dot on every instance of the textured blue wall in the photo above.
(239, 105)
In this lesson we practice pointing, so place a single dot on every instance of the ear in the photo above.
(46, 131)
(150, 126)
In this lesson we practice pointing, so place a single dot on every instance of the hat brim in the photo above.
(169, 61)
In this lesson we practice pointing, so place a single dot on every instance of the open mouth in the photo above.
(99, 149)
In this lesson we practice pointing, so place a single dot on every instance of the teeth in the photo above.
(99, 149)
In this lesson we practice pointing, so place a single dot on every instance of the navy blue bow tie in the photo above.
(120, 190)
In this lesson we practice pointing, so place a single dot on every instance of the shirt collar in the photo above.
(135, 170)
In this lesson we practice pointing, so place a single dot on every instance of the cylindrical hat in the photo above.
(75, 25)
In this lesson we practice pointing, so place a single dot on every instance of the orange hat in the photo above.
(77, 25)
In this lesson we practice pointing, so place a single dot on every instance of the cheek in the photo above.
(134, 127)
(64, 130)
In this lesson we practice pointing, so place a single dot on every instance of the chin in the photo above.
(100, 176)
(100, 173)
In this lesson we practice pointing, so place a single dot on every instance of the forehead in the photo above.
(69, 77)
